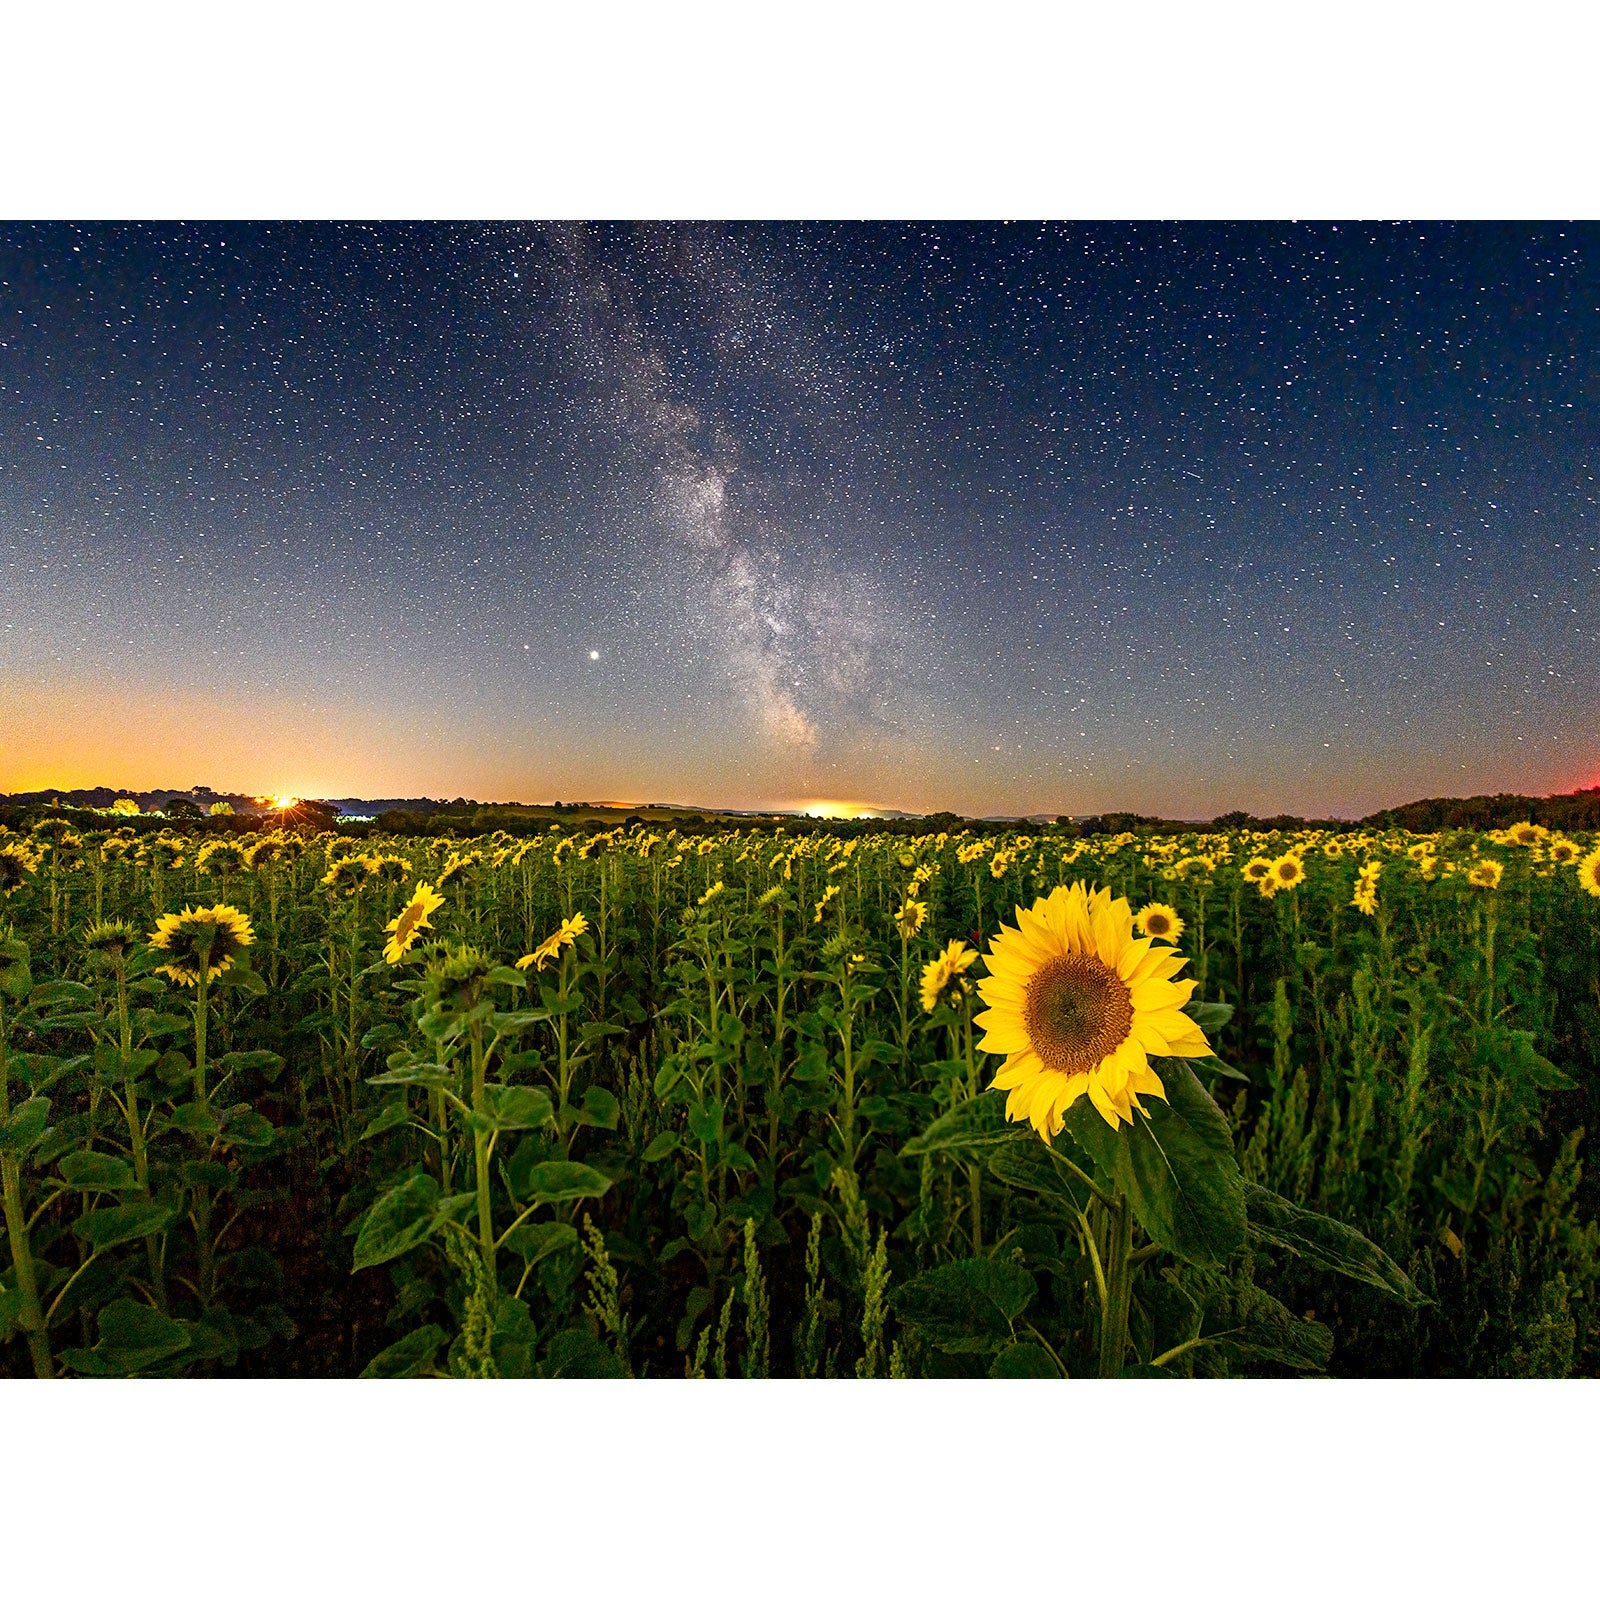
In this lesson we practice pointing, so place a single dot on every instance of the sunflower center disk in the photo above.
(1077, 1012)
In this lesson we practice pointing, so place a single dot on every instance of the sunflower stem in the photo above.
(1119, 1279)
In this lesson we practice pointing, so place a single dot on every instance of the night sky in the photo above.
(1002, 519)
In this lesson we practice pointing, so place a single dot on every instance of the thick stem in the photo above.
(30, 1318)
(1119, 1274)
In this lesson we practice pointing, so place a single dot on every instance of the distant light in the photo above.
(594, 655)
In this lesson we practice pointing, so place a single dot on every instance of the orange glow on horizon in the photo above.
(834, 810)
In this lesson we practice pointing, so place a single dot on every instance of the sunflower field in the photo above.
(813, 1101)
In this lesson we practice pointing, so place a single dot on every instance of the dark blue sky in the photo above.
(1005, 518)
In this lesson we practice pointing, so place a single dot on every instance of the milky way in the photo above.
(1021, 518)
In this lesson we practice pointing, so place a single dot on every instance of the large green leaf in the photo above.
(95, 1170)
(1325, 1243)
(1256, 1327)
(516, 1105)
(114, 1225)
(406, 1357)
(533, 1241)
(1023, 1162)
(555, 1182)
(133, 1336)
(577, 1353)
(1176, 1166)
(23, 1129)
(967, 1305)
(398, 1221)
(1027, 1358)
(969, 1125)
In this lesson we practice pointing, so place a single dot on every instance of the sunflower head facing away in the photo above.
(407, 927)
(1078, 1005)
(110, 943)
(200, 942)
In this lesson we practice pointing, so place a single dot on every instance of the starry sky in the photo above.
(1003, 518)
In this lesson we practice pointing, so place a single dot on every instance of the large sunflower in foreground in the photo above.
(1078, 1005)
(201, 941)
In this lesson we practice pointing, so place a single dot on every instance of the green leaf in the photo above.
(1211, 1016)
(967, 1305)
(1026, 1358)
(515, 1105)
(425, 1072)
(555, 1182)
(114, 1225)
(93, 1170)
(1023, 1162)
(600, 1109)
(970, 1125)
(397, 1222)
(406, 1357)
(197, 1119)
(267, 1062)
(133, 1336)
(386, 1033)
(25, 1126)
(1325, 1243)
(61, 991)
(393, 1115)
(1257, 1327)
(533, 1241)
(239, 976)
(248, 1129)
(577, 1353)
(1176, 1167)
(661, 1146)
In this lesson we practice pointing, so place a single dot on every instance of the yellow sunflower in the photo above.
(1589, 872)
(201, 942)
(949, 964)
(1157, 921)
(1287, 872)
(1256, 869)
(1486, 875)
(1077, 1005)
(910, 917)
(16, 862)
(413, 918)
(1562, 851)
(568, 933)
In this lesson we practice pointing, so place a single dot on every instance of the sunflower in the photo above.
(16, 862)
(910, 917)
(1157, 921)
(110, 942)
(1486, 875)
(221, 857)
(413, 918)
(1526, 833)
(1562, 851)
(945, 967)
(345, 875)
(1287, 872)
(827, 895)
(1365, 898)
(1256, 870)
(387, 869)
(201, 941)
(571, 929)
(1589, 872)
(1077, 1005)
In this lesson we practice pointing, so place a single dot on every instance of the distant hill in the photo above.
(1579, 810)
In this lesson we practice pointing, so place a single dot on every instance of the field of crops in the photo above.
(666, 1103)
